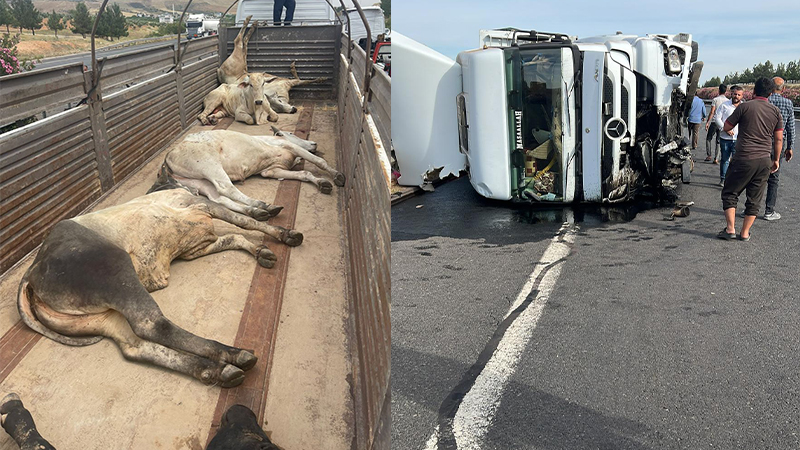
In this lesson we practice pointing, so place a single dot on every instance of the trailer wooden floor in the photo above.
(295, 316)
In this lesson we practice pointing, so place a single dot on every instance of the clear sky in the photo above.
(733, 35)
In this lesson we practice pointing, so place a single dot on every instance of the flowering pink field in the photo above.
(792, 92)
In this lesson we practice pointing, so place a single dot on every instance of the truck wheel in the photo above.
(686, 171)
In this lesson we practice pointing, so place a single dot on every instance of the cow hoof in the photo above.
(339, 179)
(231, 376)
(265, 257)
(294, 110)
(212, 120)
(245, 360)
(325, 187)
(292, 238)
(262, 214)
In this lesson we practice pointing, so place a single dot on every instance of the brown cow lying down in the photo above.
(235, 65)
(207, 161)
(93, 274)
(239, 429)
(244, 100)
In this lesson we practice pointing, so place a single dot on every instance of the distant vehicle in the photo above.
(198, 25)
(382, 56)
(545, 117)
(375, 19)
(306, 12)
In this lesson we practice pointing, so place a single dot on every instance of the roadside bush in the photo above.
(9, 61)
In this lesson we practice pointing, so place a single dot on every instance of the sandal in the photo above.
(726, 236)
(745, 239)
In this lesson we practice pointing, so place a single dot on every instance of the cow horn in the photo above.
(276, 131)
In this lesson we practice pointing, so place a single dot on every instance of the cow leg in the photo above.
(139, 350)
(291, 238)
(263, 255)
(113, 324)
(149, 323)
(241, 115)
(225, 188)
(210, 103)
(338, 177)
(324, 185)
(248, 35)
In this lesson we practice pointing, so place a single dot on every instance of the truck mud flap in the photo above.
(691, 88)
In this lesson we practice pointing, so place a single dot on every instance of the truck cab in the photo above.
(546, 117)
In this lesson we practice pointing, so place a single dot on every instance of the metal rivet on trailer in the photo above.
(588, 130)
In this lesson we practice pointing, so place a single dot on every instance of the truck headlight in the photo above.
(673, 61)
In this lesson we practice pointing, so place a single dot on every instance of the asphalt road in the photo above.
(656, 335)
(86, 57)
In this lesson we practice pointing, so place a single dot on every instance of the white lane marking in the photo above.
(479, 406)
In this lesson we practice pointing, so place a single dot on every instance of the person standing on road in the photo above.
(711, 126)
(277, 11)
(696, 116)
(727, 139)
(758, 152)
(787, 111)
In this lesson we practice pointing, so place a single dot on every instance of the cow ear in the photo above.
(245, 82)
(270, 79)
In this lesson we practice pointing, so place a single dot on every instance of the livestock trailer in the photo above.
(318, 320)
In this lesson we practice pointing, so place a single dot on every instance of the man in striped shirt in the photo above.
(787, 112)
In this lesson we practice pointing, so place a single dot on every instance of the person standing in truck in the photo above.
(727, 139)
(277, 11)
(758, 153)
(696, 116)
(711, 126)
(786, 108)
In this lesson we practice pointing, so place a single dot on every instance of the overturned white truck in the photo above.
(543, 117)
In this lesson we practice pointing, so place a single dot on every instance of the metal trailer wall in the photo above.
(54, 168)
(313, 48)
(367, 224)
(380, 94)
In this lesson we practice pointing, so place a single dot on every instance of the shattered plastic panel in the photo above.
(424, 118)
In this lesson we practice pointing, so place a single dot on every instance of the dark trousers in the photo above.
(694, 131)
(277, 10)
(713, 133)
(749, 174)
(772, 191)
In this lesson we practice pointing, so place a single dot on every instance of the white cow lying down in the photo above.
(207, 161)
(93, 274)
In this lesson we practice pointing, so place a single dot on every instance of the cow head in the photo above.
(254, 84)
(239, 429)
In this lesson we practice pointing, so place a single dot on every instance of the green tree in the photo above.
(26, 15)
(54, 22)
(6, 18)
(386, 6)
(81, 20)
(112, 23)
(713, 82)
(119, 25)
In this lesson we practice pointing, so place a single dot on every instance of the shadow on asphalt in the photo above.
(551, 422)
(455, 210)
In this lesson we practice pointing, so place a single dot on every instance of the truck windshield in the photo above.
(536, 95)
(194, 24)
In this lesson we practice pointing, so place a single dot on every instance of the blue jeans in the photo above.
(277, 10)
(727, 148)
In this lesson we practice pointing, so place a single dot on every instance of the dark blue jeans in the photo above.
(727, 149)
(277, 10)
(772, 191)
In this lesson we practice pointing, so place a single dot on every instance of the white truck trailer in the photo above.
(198, 25)
(544, 117)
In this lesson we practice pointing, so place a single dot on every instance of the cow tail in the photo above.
(29, 317)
